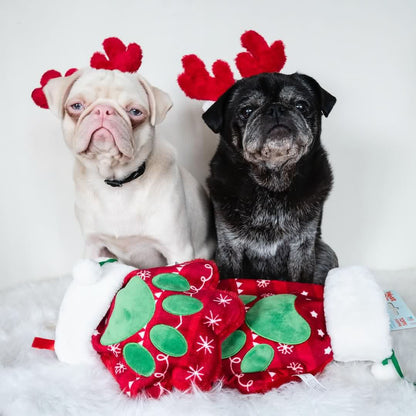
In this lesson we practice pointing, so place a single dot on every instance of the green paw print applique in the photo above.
(134, 307)
(274, 318)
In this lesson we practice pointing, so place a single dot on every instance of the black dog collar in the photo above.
(132, 177)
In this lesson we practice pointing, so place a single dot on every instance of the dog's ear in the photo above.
(159, 101)
(214, 116)
(56, 92)
(327, 100)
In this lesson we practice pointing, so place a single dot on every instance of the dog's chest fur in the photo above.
(117, 220)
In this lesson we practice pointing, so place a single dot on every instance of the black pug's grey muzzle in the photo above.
(276, 134)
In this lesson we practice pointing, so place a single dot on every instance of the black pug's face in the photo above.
(271, 119)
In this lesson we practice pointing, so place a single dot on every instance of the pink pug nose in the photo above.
(103, 111)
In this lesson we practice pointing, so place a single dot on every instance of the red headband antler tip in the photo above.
(196, 82)
(38, 96)
(125, 59)
(260, 56)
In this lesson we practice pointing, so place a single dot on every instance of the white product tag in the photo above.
(401, 317)
(312, 382)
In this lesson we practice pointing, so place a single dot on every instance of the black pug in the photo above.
(270, 177)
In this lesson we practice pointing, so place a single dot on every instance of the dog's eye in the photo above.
(135, 112)
(302, 106)
(245, 112)
(77, 107)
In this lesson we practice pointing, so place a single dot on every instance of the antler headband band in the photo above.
(119, 56)
(196, 82)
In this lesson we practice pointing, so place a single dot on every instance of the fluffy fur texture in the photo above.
(34, 382)
(108, 119)
(270, 177)
(355, 308)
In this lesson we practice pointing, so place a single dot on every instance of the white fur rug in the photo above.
(33, 382)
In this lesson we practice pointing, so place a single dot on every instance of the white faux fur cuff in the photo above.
(356, 316)
(85, 303)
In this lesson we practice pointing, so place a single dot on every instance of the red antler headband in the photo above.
(119, 56)
(196, 82)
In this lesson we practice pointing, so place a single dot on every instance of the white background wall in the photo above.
(363, 52)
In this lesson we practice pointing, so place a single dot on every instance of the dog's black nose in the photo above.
(276, 110)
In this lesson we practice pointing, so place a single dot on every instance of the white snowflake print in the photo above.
(285, 349)
(304, 293)
(143, 274)
(262, 283)
(314, 314)
(223, 300)
(115, 349)
(119, 368)
(321, 333)
(205, 345)
(195, 373)
(296, 367)
(212, 321)
(328, 350)
(266, 295)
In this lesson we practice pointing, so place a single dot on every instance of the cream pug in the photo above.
(133, 200)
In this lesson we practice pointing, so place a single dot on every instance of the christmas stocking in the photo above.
(162, 329)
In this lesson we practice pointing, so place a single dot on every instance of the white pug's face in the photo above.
(107, 115)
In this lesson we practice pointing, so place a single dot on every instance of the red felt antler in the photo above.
(38, 96)
(125, 59)
(260, 56)
(197, 83)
